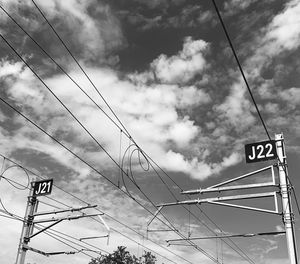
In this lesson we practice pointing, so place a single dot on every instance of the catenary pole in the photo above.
(27, 226)
(285, 189)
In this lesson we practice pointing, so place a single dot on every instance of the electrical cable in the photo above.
(251, 95)
(293, 189)
(97, 171)
(60, 67)
(51, 205)
(81, 68)
(84, 74)
(2, 167)
(61, 236)
(72, 237)
(68, 206)
(122, 234)
(241, 69)
(81, 159)
(66, 72)
(5, 211)
(48, 197)
(56, 97)
(11, 217)
(244, 255)
(12, 181)
(78, 250)
(85, 129)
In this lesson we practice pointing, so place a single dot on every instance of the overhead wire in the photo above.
(296, 199)
(11, 217)
(81, 68)
(240, 68)
(128, 135)
(76, 198)
(65, 243)
(253, 99)
(243, 75)
(60, 67)
(73, 80)
(12, 182)
(72, 237)
(244, 255)
(86, 203)
(139, 150)
(85, 129)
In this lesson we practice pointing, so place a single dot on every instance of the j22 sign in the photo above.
(260, 151)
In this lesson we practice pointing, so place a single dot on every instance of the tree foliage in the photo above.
(122, 256)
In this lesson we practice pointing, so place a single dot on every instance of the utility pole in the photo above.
(255, 152)
(27, 226)
(285, 190)
(40, 188)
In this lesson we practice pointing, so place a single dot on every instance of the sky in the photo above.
(160, 107)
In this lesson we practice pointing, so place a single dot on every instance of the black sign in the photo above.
(42, 187)
(260, 151)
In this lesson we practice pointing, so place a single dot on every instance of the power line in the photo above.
(201, 210)
(79, 122)
(56, 97)
(139, 149)
(81, 68)
(191, 243)
(60, 67)
(67, 244)
(77, 198)
(72, 237)
(82, 160)
(11, 217)
(252, 97)
(111, 108)
(15, 217)
(241, 69)
(83, 91)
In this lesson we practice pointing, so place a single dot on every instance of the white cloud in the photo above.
(150, 112)
(283, 33)
(89, 34)
(199, 170)
(236, 107)
(10, 68)
(291, 95)
(182, 67)
(280, 35)
(232, 7)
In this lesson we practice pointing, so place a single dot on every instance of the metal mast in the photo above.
(285, 188)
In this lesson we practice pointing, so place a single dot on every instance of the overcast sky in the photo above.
(166, 70)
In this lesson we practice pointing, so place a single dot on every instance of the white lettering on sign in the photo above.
(42, 187)
(260, 151)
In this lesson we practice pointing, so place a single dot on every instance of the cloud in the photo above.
(199, 170)
(183, 67)
(269, 47)
(291, 95)
(90, 29)
(232, 7)
(10, 68)
(283, 32)
(182, 16)
(274, 39)
(150, 111)
(236, 108)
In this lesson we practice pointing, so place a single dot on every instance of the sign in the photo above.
(260, 151)
(43, 187)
